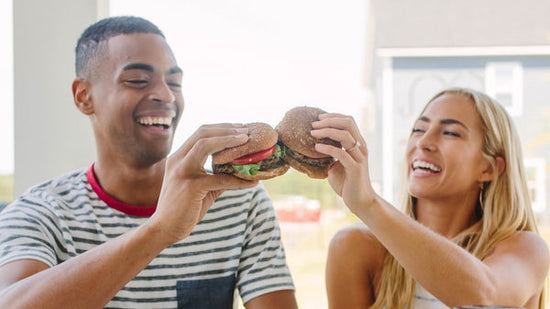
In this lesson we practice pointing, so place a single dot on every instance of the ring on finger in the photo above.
(356, 145)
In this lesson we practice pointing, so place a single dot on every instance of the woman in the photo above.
(468, 236)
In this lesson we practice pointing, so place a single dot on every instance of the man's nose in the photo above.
(161, 92)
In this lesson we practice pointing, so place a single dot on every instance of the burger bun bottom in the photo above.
(312, 171)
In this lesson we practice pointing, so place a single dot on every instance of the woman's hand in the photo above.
(349, 175)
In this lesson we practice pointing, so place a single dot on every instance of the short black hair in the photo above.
(91, 43)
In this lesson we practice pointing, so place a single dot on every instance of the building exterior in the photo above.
(499, 47)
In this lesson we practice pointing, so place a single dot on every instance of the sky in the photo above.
(243, 60)
(251, 60)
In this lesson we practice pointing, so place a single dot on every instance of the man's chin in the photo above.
(151, 157)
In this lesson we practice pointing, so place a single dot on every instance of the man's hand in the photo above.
(187, 190)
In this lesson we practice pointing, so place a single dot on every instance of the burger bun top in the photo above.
(261, 136)
(295, 131)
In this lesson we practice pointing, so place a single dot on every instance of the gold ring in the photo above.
(357, 144)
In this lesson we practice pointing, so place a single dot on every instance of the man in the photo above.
(91, 238)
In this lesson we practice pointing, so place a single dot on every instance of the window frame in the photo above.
(492, 87)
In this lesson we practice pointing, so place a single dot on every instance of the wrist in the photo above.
(154, 233)
(367, 211)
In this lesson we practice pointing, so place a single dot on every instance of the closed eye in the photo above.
(136, 81)
(451, 133)
(416, 130)
(174, 85)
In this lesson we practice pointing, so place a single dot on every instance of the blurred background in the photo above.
(251, 60)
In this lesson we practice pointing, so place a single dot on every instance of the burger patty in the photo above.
(322, 162)
(269, 163)
(223, 169)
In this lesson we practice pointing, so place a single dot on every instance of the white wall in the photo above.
(51, 136)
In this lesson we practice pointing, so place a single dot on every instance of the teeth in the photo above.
(426, 165)
(159, 121)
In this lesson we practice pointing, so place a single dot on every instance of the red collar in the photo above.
(130, 210)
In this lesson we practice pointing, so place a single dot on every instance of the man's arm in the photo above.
(89, 280)
(19, 270)
(274, 300)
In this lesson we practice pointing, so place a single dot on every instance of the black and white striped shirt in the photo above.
(236, 245)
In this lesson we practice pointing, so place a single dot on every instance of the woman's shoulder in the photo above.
(525, 251)
(526, 243)
(354, 266)
(525, 256)
(357, 242)
(354, 233)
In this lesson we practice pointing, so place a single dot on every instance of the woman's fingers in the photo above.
(343, 129)
(339, 127)
(349, 160)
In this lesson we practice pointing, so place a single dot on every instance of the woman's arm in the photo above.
(511, 275)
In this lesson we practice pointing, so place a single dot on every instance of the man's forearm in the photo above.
(91, 279)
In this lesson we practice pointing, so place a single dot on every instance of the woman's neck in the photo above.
(445, 216)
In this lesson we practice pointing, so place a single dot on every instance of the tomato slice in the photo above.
(254, 157)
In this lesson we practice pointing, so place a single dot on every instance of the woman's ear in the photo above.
(501, 165)
(82, 97)
(489, 173)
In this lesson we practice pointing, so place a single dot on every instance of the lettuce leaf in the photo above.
(248, 169)
(252, 169)
(280, 151)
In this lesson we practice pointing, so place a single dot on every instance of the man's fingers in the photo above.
(226, 181)
(212, 130)
(195, 158)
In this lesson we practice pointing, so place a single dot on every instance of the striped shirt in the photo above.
(237, 245)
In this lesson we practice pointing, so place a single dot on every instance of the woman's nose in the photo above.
(427, 141)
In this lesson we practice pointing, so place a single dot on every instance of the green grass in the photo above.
(296, 183)
(6, 188)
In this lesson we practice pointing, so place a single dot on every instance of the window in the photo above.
(535, 169)
(504, 82)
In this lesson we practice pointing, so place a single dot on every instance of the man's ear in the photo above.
(489, 173)
(82, 96)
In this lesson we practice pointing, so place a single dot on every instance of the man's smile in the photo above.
(164, 121)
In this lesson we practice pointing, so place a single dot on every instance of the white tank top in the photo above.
(424, 300)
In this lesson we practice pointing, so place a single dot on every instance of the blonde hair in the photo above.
(503, 209)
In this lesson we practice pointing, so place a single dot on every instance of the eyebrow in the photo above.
(444, 121)
(149, 68)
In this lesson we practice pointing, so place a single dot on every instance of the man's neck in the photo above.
(129, 184)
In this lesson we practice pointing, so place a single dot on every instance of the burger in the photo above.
(295, 136)
(258, 159)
